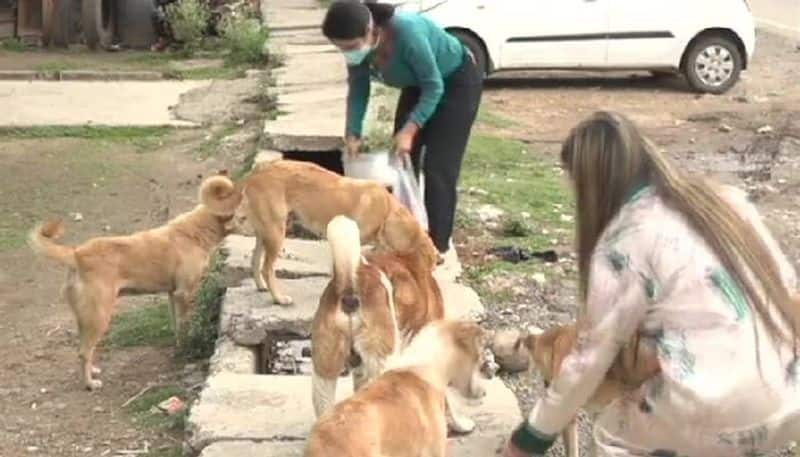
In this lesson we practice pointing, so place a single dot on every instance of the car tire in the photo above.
(99, 22)
(476, 48)
(713, 64)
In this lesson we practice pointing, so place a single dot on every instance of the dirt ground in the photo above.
(117, 183)
(717, 135)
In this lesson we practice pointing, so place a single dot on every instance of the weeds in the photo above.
(201, 333)
(144, 415)
(12, 45)
(244, 38)
(189, 21)
(144, 326)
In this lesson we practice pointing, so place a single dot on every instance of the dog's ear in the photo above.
(223, 172)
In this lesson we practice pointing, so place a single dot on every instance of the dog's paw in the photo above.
(94, 384)
(283, 300)
(96, 371)
(461, 425)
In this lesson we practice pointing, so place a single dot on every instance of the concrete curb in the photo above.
(81, 75)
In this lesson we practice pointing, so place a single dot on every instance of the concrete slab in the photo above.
(253, 407)
(294, 18)
(461, 302)
(299, 258)
(253, 449)
(229, 357)
(115, 103)
(320, 129)
(267, 155)
(265, 408)
(307, 69)
(249, 315)
(291, 50)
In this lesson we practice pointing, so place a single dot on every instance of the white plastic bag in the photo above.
(408, 191)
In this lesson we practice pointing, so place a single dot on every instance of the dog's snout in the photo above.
(350, 304)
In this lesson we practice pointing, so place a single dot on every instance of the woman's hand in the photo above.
(352, 146)
(404, 140)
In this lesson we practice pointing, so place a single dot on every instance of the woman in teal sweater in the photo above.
(441, 92)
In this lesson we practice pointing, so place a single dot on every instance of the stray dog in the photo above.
(172, 258)
(635, 364)
(372, 307)
(402, 412)
(316, 195)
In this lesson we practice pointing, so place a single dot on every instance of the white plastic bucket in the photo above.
(374, 166)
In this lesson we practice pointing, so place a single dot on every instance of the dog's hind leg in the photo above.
(94, 315)
(273, 241)
(256, 263)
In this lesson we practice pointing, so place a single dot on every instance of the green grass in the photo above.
(224, 72)
(141, 137)
(56, 66)
(144, 416)
(148, 325)
(488, 119)
(12, 45)
(519, 181)
(201, 334)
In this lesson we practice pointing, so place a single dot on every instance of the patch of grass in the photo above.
(489, 119)
(144, 415)
(12, 45)
(518, 182)
(145, 326)
(11, 239)
(56, 66)
(516, 228)
(211, 146)
(201, 334)
(226, 72)
(142, 137)
(244, 37)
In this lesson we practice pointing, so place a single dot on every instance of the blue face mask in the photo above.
(356, 56)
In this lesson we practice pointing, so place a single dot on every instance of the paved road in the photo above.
(133, 103)
(780, 15)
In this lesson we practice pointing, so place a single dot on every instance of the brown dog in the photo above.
(371, 306)
(316, 196)
(402, 412)
(172, 258)
(635, 364)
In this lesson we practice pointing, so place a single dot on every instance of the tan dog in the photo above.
(172, 258)
(316, 196)
(402, 412)
(371, 306)
(635, 364)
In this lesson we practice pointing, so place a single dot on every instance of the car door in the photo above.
(551, 33)
(647, 33)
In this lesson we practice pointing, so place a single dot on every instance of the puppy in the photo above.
(172, 258)
(371, 306)
(635, 364)
(402, 412)
(316, 196)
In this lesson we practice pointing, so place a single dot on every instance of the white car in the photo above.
(709, 41)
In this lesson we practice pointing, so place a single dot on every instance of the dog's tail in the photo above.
(220, 195)
(345, 240)
(42, 241)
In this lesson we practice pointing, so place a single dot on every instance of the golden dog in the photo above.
(371, 306)
(635, 364)
(172, 258)
(402, 412)
(316, 195)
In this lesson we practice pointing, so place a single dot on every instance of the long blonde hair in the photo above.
(607, 157)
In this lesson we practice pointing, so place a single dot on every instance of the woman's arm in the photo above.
(616, 304)
(358, 84)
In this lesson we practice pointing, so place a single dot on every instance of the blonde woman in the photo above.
(689, 265)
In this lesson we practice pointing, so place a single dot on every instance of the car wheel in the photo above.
(476, 48)
(713, 64)
(99, 22)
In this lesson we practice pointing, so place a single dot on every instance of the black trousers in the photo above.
(440, 146)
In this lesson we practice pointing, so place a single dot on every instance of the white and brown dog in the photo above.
(636, 363)
(402, 412)
(371, 308)
(315, 195)
(172, 258)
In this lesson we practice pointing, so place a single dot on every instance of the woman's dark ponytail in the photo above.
(348, 19)
(381, 12)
